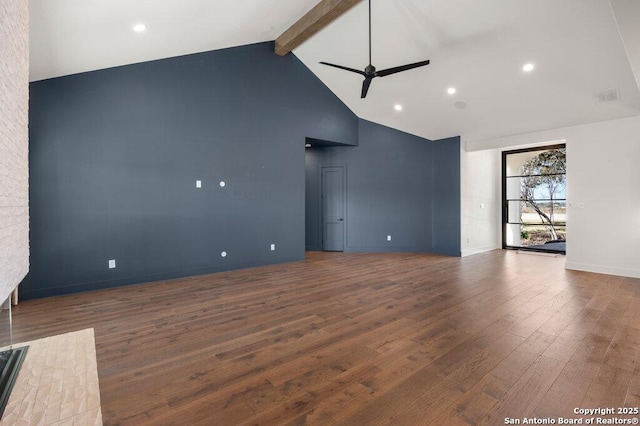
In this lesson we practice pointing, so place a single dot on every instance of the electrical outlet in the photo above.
(482, 205)
(198, 184)
(388, 237)
(273, 247)
(112, 264)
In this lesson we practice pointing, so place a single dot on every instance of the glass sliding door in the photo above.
(534, 196)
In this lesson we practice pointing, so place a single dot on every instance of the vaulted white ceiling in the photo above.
(579, 48)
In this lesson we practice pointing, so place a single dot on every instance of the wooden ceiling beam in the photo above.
(312, 22)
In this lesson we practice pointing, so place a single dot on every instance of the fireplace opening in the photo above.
(10, 363)
(11, 357)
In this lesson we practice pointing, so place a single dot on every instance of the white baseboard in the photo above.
(601, 269)
(477, 250)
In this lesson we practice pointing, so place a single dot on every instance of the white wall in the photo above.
(480, 201)
(14, 174)
(603, 192)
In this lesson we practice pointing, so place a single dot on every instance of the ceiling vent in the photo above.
(608, 95)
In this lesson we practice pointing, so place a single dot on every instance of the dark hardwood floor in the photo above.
(360, 339)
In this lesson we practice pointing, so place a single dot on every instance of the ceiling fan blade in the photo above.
(343, 68)
(401, 68)
(365, 87)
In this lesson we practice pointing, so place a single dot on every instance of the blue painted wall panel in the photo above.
(115, 154)
(397, 184)
(446, 196)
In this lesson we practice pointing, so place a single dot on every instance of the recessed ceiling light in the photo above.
(397, 107)
(139, 28)
(451, 90)
(307, 145)
(528, 67)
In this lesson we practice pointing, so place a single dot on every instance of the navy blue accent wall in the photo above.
(446, 196)
(313, 230)
(114, 156)
(397, 184)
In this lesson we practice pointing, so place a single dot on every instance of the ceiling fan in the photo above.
(370, 72)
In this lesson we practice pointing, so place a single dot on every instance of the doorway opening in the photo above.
(326, 195)
(534, 199)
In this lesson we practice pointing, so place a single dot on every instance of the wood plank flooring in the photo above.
(359, 339)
